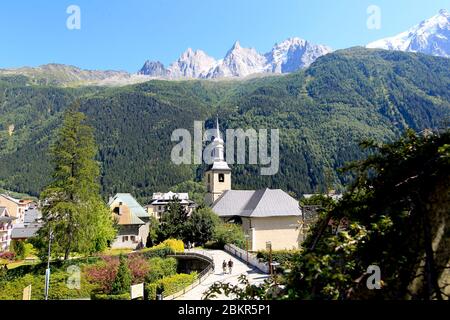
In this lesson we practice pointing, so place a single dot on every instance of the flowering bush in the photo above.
(174, 244)
(10, 256)
(139, 268)
(102, 274)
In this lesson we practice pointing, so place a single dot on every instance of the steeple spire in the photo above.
(219, 149)
(217, 127)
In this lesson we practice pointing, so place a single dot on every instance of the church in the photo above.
(267, 215)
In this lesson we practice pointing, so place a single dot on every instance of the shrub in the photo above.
(201, 225)
(174, 244)
(283, 257)
(229, 233)
(18, 247)
(22, 249)
(157, 251)
(9, 256)
(139, 268)
(99, 296)
(103, 273)
(160, 268)
(13, 290)
(170, 285)
(122, 281)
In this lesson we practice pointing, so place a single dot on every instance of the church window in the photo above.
(221, 177)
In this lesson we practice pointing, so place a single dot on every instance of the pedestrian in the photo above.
(230, 265)
(224, 266)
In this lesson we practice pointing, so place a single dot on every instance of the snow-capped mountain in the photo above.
(238, 62)
(294, 54)
(431, 36)
(191, 64)
(288, 56)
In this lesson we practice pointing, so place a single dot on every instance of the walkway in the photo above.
(255, 276)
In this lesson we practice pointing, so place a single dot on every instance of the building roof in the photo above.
(20, 202)
(256, 203)
(4, 211)
(127, 217)
(131, 203)
(24, 232)
(32, 215)
(219, 165)
(170, 196)
(16, 201)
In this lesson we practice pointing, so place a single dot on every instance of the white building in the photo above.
(132, 220)
(160, 201)
(6, 225)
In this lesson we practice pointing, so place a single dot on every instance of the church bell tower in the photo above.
(218, 175)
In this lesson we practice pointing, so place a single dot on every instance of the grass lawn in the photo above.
(116, 252)
(16, 264)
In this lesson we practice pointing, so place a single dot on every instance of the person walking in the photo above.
(224, 266)
(230, 266)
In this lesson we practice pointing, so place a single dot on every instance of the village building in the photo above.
(6, 225)
(31, 224)
(132, 219)
(16, 207)
(160, 201)
(266, 215)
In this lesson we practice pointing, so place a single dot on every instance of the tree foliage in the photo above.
(394, 216)
(322, 113)
(73, 211)
(122, 281)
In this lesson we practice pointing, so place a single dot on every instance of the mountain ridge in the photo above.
(323, 112)
(290, 55)
(431, 36)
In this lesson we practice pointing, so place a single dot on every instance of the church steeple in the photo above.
(218, 176)
(218, 151)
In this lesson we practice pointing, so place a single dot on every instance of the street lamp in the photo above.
(47, 271)
(246, 244)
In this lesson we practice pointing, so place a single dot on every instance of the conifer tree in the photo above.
(73, 210)
(122, 282)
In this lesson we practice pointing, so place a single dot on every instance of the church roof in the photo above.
(219, 165)
(256, 203)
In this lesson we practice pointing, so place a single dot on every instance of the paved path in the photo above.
(254, 275)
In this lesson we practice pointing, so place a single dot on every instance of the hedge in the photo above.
(174, 244)
(38, 269)
(99, 296)
(157, 251)
(283, 257)
(161, 268)
(13, 290)
(170, 285)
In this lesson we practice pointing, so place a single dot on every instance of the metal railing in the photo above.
(252, 260)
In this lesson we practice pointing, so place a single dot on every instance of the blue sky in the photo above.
(122, 34)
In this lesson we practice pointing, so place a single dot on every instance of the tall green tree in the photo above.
(201, 226)
(173, 222)
(397, 213)
(73, 210)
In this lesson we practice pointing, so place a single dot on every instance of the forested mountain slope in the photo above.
(322, 113)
